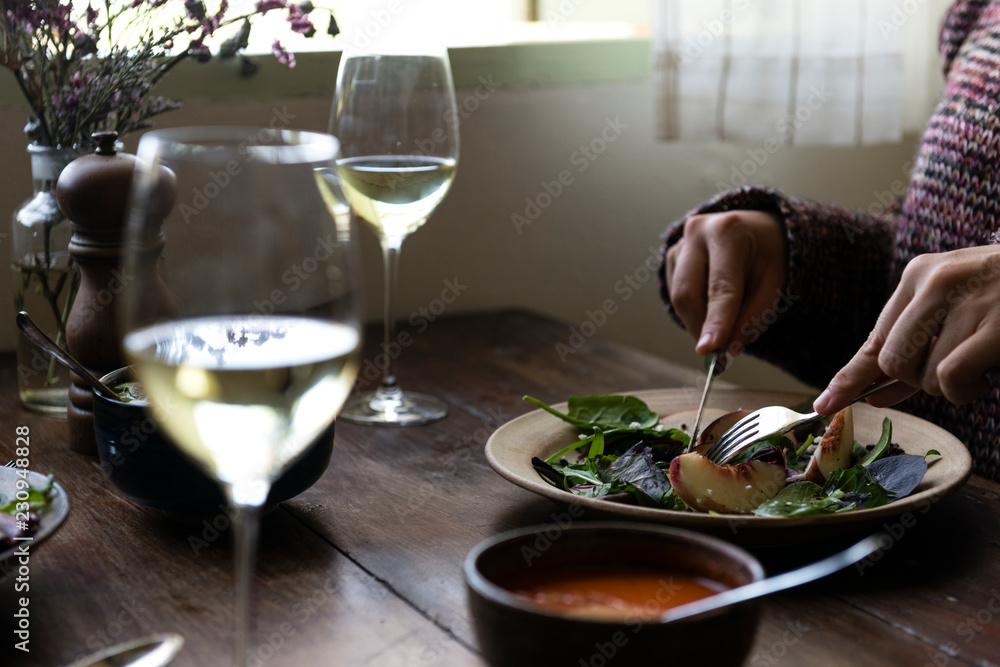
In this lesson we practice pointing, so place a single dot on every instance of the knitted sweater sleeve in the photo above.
(839, 277)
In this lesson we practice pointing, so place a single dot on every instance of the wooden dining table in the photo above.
(365, 567)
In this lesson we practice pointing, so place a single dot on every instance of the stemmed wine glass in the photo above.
(246, 334)
(394, 113)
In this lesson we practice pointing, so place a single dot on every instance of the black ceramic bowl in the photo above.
(513, 632)
(144, 467)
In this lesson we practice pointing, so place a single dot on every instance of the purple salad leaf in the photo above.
(547, 472)
(637, 468)
(899, 475)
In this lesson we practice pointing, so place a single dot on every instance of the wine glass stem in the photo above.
(246, 525)
(390, 265)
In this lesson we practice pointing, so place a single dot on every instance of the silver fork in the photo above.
(768, 422)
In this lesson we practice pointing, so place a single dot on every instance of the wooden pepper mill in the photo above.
(93, 192)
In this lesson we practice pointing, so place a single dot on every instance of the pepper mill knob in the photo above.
(93, 192)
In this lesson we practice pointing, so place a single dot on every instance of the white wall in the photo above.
(599, 229)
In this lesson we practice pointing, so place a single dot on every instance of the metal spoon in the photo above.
(154, 651)
(42, 340)
(780, 582)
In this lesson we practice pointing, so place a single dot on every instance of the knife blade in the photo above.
(701, 404)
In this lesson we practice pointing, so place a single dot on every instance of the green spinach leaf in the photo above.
(858, 486)
(801, 499)
(605, 411)
(881, 447)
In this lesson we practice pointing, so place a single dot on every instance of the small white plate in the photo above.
(49, 518)
(512, 446)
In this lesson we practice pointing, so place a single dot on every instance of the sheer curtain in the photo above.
(795, 72)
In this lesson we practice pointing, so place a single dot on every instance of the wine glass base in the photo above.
(404, 409)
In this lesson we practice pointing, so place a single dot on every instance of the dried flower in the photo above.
(78, 79)
(282, 54)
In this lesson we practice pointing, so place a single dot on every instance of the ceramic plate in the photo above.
(49, 519)
(511, 447)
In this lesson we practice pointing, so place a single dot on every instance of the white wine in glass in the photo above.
(395, 116)
(246, 368)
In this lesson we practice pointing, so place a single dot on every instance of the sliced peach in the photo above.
(684, 420)
(730, 489)
(714, 422)
(836, 450)
(717, 427)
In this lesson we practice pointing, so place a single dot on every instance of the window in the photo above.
(462, 23)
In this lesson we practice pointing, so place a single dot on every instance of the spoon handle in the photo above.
(42, 340)
(780, 582)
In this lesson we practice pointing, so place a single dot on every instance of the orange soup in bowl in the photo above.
(600, 594)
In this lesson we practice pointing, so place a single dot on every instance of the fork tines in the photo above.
(733, 436)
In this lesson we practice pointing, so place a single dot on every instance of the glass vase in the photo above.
(45, 280)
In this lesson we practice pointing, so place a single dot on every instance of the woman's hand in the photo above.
(939, 332)
(727, 269)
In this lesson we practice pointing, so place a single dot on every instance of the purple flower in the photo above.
(110, 87)
(59, 16)
(29, 18)
(264, 6)
(200, 51)
(300, 22)
(282, 54)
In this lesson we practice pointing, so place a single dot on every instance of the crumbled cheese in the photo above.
(749, 486)
(710, 492)
(635, 425)
(659, 427)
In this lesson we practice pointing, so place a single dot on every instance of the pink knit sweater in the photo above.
(844, 265)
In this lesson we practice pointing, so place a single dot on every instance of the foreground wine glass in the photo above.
(395, 116)
(246, 334)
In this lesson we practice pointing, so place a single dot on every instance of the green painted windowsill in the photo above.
(535, 63)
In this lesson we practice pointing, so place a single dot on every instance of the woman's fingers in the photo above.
(909, 333)
(859, 373)
(939, 332)
(687, 264)
(725, 290)
(726, 269)
(891, 395)
(962, 374)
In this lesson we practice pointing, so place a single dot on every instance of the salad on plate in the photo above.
(627, 453)
(21, 509)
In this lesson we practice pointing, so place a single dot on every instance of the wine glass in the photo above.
(395, 116)
(245, 331)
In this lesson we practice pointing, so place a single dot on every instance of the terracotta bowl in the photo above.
(143, 466)
(512, 631)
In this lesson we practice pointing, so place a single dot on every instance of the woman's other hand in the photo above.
(727, 269)
(939, 332)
